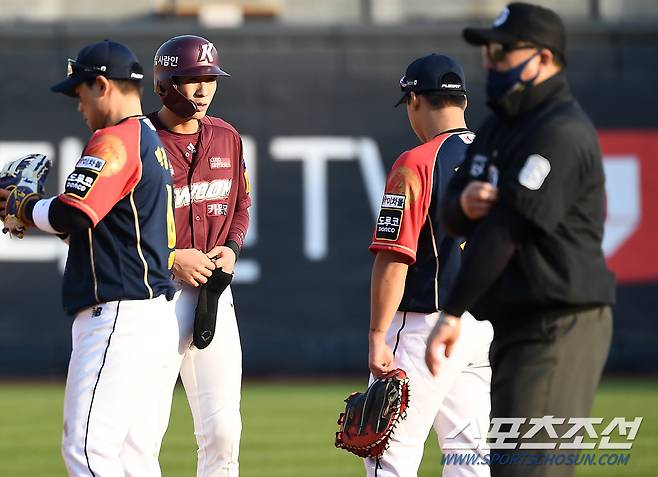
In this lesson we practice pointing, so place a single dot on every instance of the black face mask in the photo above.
(506, 89)
(499, 83)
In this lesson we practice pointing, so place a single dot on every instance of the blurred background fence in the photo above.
(312, 90)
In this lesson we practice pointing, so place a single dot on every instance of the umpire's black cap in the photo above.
(523, 22)
(104, 58)
(433, 73)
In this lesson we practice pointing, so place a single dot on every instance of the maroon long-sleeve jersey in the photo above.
(211, 186)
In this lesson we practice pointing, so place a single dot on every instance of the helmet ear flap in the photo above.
(174, 100)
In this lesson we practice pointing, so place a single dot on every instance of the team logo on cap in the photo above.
(406, 83)
(205, 53)
(502, 18)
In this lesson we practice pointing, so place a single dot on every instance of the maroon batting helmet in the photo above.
(185, 55)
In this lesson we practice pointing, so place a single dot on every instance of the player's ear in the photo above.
(414, 100)
(103, 84)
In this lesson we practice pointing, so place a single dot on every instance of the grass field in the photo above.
(288, 431)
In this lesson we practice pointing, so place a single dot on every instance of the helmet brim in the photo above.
(210, 70)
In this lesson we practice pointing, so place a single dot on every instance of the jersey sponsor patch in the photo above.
(534, 172)
(90, 162)
(202, 191)
(388, 224)
(393, 201)
(215, 210)
(220, 163)
(80, 182)
(467, 137)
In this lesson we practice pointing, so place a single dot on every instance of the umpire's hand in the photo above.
(445, 332)
(477, 198)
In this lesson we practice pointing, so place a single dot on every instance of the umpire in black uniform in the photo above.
(530, 197)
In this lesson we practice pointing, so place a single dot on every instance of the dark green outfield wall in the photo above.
(315, 106)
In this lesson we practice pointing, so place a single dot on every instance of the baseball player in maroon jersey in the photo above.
(211, 196)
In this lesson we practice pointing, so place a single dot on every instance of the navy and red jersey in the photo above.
(408, 220)
(123, 184)
(211, 186)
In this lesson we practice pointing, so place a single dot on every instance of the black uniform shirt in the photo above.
(547, 165)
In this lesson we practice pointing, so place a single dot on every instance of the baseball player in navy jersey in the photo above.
(211, 209)
(414, 267)
(117, 212)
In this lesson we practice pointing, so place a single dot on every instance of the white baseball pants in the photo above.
(459, 395)
(212, 378)
(123, 363)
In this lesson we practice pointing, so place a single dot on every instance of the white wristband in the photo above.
(40, 215)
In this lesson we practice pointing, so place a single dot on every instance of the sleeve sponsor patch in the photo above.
(90, 162)
(388, 224)
(393, 201)
(534, 172)
(80, 182)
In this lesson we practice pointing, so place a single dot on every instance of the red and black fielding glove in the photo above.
(371, 417)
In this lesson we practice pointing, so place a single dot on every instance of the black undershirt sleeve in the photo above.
(67, 219)
(233, 245)
(63, 218)
(487, 253)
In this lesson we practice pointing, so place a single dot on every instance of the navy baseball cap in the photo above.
(433, 74)
(104, 58)
(523, 22)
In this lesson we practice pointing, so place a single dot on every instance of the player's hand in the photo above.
(477, 198)
(445, 332)
(223, 257)
(192, 266)
(3, 203)
(380, 356)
